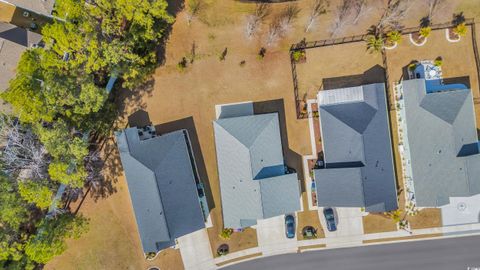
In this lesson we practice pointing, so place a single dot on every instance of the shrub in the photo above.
(460, 29)
(261, 53)
(412, 66)
(425, 31)
(182, 65)
(297, 55)
(226, 233)
(438, 62)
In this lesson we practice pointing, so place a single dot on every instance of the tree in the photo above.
(394, 36)
(425, 31)
(13, 211)
(49, 240)
(256, 18)
(193, 8)
(36, 192)
(69, 174)
(22, 151)
(281, 23)
(318, 8)
(374, 44)
(341, 17)
(393, 14)
(60, 143)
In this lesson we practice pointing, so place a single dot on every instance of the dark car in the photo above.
(290, 226)
(330, 218)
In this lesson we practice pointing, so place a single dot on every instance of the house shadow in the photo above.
(189, 125)
(292, 159)
(375, 74)
(139, 118)
(465, 80)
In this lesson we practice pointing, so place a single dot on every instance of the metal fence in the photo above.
(304, 45)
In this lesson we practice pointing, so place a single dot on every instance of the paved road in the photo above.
(445, 254)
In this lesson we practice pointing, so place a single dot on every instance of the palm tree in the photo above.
(394, 37)
(460, 29)
(374, 43)
(425, 31)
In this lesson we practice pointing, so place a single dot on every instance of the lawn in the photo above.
(187, 99)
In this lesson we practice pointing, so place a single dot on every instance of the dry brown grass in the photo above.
(311, 247)
(426, 218)
(377, 223)
(6, 12)
(113, 242)
(238, 240)
(309, 218)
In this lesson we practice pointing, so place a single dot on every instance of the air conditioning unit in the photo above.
(26, 14)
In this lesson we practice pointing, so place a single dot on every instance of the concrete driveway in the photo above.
(349, 227)
(196, 251)
(461, 210)
(271, 236)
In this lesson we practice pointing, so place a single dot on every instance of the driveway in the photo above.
(196, 251)
(349, 227)
(271, 237)
(461, 210)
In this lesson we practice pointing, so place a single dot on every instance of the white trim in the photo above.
(391, 47)
(415, 43)
(447, 35)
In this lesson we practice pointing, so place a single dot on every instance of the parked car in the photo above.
(290, 226)
(330, 219)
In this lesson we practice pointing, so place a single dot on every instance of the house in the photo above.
(254, 181)
(13, 42)
(43, 7)
(166, 193)
(358, 164)
(441, 143)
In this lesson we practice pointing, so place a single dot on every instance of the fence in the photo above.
(304, 45)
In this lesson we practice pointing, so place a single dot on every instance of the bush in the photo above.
(298, 55)
(438, 62)
(226, 233)
(261, 53)
(182, 65)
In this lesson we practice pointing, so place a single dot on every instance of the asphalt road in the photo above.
(445, 254)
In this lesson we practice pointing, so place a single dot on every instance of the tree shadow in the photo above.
(189, 125)
(292, 158)
(174, 7)
(375, 74)
(133, 99)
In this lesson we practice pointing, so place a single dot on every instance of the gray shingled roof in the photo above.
(44, 7)
(251, 169)
(443, 143)
(162, 187)
(13, 42)
(357, 150)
